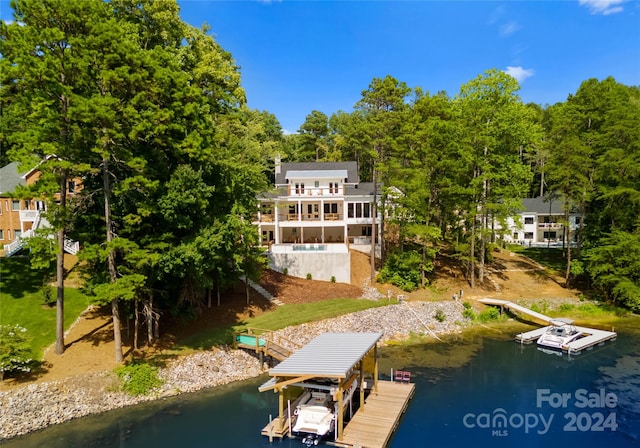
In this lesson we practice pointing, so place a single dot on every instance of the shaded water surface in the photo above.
(479, 389)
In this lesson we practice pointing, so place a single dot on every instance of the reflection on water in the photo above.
(475, 389)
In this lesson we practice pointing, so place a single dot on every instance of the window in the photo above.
(350, 212)
(1, 234)
(577, 220)
(359, 210)
(299, 188)
(366, 210)
(333, 187)
(15, 205)
(17, 233)
(515, 235)
(528, 219)
(528, 235)
(331, 207)
(40, 205)
(549, 235)
(27, 204)
(316, 184)
(366, 230)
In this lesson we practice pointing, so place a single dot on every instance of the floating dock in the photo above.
(590, 336)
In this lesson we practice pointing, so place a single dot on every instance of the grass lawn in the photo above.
(21, 302)
(281, 317)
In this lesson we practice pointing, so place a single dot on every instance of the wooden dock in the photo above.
(263, 343)
(373, 424)
(516, 308)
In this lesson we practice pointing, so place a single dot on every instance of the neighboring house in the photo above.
(316, 213)
(20, 218)
(541, 221)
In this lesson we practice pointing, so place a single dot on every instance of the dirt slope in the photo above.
(90, 341)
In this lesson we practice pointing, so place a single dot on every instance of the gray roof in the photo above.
(363, 189)
(317, 174)
(330, 355)
(10, 178)
(350, 167)
(541, 205)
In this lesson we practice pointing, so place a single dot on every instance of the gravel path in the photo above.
(36, 406)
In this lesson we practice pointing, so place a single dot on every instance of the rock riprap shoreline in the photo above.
(39, 405)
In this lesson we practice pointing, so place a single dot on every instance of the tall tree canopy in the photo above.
(150, 112)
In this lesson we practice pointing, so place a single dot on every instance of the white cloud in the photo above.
(519, 73)
(604, 7)
(495, 15)
(509, 28)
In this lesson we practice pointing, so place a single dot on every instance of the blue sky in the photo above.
(297, 56)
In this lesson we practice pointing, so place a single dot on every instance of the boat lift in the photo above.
(590, 336)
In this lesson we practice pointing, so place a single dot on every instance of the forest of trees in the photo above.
(149, 112)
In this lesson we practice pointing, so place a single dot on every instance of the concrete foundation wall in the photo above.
(321, 266)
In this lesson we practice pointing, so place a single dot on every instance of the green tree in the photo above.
(614, 266)
(314, 132)
(44, 76)
(594, 155)
(383, 106)
(496, 126)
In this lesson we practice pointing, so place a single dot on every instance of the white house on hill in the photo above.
(542, 222)
(315, 214)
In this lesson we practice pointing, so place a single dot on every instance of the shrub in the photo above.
(333, 279)
(440, 316)
(491, 313)
(565, 307)
(469, 314)
(402, 270)
(138, 378)
(466, 305)
(49, 297)
(15, 354)
(309, 276)
(285, 271)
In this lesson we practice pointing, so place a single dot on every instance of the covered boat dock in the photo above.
(343, 359)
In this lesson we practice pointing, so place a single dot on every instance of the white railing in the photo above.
(71, 247)
(17, 244)
(29, 215)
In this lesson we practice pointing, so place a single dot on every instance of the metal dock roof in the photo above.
(329, 355)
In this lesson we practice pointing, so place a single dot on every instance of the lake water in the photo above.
(477, 389)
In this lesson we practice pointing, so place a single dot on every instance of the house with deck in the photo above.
(20, 218)
(542, 222)
(315, 214)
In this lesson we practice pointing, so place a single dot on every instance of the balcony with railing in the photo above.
(308, 217)
(550, 225)
(315, 191)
